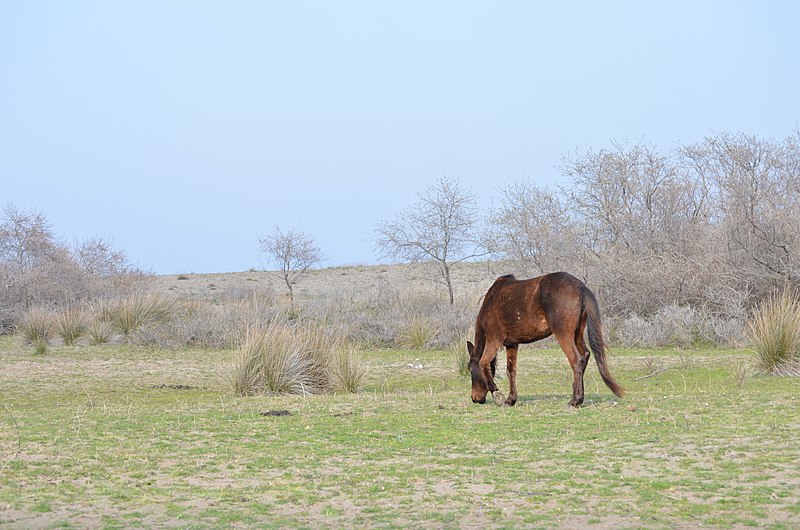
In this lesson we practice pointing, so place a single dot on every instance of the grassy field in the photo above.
(113, 436)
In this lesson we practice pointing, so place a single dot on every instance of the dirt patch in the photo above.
(276, 413)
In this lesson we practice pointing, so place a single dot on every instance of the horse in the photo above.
(518, 312)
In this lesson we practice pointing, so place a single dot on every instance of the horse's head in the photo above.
(479, 388)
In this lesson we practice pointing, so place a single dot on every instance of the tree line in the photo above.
(714, 224)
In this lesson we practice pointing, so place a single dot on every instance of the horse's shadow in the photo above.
(589, 400)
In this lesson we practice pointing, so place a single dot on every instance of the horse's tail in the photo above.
(594, 328)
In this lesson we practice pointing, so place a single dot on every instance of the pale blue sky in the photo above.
(184, 130)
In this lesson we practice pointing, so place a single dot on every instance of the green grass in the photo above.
(96, 436)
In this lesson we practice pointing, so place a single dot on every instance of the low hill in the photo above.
(470, 281)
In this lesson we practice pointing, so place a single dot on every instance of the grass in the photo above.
(117, 436)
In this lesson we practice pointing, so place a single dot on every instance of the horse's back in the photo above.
(531, 303)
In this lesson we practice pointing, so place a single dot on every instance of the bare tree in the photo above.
(441, 228)
(38, 269)
(757, 203)
(26, 239)
(533, 229)
(293, 252)
(99, 257)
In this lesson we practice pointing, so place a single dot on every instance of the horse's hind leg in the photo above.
(511, 368)
(578, 358)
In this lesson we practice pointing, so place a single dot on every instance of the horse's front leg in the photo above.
(488, 358)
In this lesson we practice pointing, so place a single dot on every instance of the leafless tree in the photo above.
(99, 257)
(757, 200)
(26, 239)
(37, 268)
(293, 252)
(442, 227)
(532, 228)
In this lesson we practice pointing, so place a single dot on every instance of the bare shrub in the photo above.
(678, 327)
(288, 358)
(670, 326)
(207, 325)
(393, 318)
(775, 333)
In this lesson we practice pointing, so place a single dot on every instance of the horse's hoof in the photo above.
(511, 402)
(499, 398)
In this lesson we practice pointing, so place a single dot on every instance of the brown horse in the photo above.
(518, 312)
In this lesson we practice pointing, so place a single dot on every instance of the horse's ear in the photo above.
(470, 347)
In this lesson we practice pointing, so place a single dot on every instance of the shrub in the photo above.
(36, 328)
(207, 325)
(386, 316)
(71, 324)
(775, 333)
(291, 358)
(678, 327)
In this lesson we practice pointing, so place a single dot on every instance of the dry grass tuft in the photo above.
(419, 332)
(347, 371)
(129, 314)
(775, 334)
(293, 358)
(99, 331)
(71, 324)
(36, 328)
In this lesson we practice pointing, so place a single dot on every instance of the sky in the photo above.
(185, 130)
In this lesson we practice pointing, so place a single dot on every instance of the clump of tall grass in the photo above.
(71, 324)
(460, 357)
(36, 328)
(418, 332)
(129, 314)
(293, 358)
(775, 333)
(347, 371)
(99, 331)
